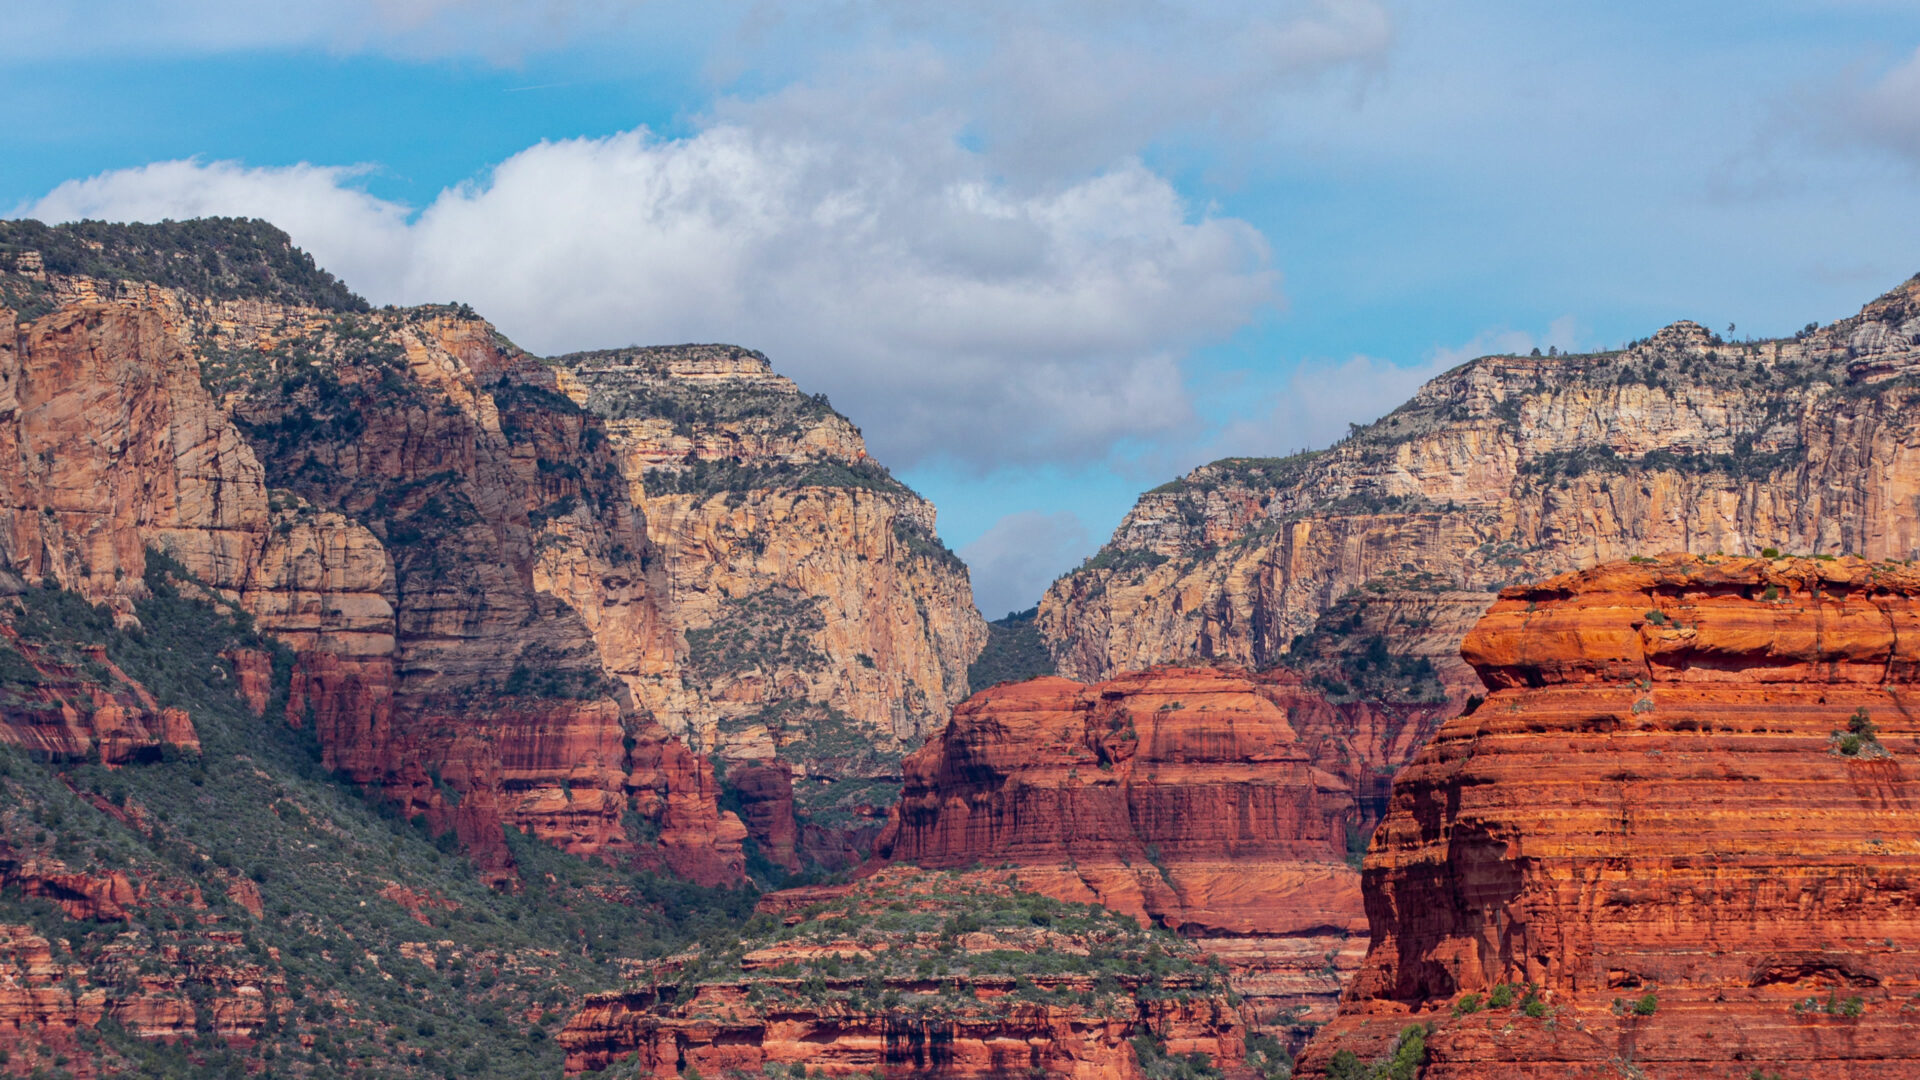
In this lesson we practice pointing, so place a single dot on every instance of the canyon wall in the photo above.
(1676, 840)
(1508, 469)
(827, 626)
(507, 609)
(1214, 803)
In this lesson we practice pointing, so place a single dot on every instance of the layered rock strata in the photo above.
(1512, 468)
(1214, 803)
(816, 599)
(402, 497)
(909, 974)
(1677, 839)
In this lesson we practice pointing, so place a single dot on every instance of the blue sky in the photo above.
(1047, 255)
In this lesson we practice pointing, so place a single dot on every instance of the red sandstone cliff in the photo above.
(409, 634)
(1212, 802)
(1683, 817)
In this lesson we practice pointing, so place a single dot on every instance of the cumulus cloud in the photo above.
(950, 313)
(1015, 560)
(1053, 88)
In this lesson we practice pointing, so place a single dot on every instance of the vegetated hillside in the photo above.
(218, 258)
(1675, 841)
(821, 611)
(187, 891)
(1014, 652)
(1505, 469)
(959, 974)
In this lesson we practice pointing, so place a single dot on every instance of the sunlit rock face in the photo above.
(826, 626)
(1510, 469)
(1212, 802)
(379, 490)
(1680, 826)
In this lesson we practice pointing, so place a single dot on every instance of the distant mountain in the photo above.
(1366, 563)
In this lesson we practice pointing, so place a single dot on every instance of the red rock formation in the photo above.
(847, 994)
(57, 713)
(765, 793)
(417, 902)
(253, 670)
(119, 448)
(1182, 796)
(39, 1009)
(1683, 815)
(104, 896)
(45, 1002)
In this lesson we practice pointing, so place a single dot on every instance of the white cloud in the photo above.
(1059, 88)
(1320, 401)
(1504, 341)
(1015, 560)
(1886, 111)
(949, 313)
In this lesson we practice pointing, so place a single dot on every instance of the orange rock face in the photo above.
(846, 988)
(65, 716)
(1683, 817)
(1184, 797)
(408, 634)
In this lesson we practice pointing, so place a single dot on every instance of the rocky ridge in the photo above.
(914, 974)
(1512, 468)
(1676, 840)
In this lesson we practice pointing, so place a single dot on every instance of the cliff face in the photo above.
(1679, 831)
(1514, 468)
(910, 974)
(217, 901)
(1210, 802)
(817, 603)
(416, 631)
(493, 593)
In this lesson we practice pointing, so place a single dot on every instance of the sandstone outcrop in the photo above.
(911, 974)
(1211, 802)
(52, 710)
(1508, 469)
(816, 600)
(50, 1006)
(1676, 840)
